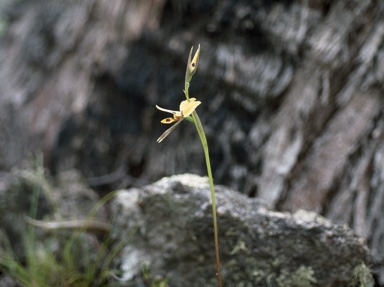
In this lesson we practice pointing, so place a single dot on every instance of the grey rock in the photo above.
(6, 281)
(170, 230)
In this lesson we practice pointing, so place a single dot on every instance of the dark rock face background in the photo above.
(291, 91)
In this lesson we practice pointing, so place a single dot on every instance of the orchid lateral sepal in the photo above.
(168, 131)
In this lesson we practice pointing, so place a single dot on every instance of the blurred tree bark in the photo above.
(292, 96)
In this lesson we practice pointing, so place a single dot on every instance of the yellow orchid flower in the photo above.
(185, 110)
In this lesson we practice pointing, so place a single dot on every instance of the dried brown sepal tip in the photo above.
(192, 64)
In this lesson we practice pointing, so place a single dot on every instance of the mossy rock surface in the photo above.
(258, 246)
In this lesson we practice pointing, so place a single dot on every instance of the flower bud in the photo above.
(192, 64)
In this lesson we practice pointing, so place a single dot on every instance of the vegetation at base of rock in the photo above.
(60, 257)
(154, 281)
(362, 277)
(302, 277)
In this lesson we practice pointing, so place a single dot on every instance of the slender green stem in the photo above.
(204, 143)
(203, 139)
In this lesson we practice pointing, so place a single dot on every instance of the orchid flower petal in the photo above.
(177, 113)
(187, 107)
(184, 103)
